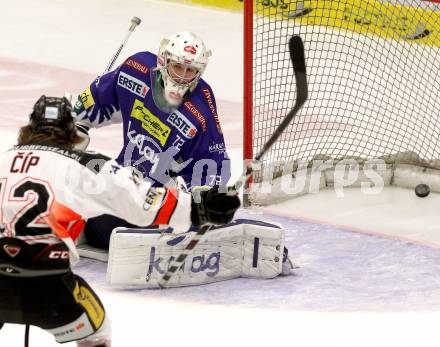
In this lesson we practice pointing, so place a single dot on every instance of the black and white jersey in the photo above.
(46, 194)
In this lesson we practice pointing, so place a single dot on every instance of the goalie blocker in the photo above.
(243, 248)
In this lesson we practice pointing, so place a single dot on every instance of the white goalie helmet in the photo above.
(182, 59)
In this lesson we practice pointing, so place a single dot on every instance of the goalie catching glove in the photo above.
(211, 206)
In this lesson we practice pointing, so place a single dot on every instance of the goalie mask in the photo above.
(182, 59)
(51, 113)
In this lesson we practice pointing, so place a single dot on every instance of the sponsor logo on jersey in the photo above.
(185, 127)
(191, 108)
(132, 84)
(150, 122)
(12, 250)
(208, 96)
(86, 98)
(152, 198)
(205, 263)
(217, 147)
(136, 65)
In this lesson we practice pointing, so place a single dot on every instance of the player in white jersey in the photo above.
(47, 190)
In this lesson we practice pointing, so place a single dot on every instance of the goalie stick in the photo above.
(81, 130)
(26, 335)
(135, 21)
(296, 49)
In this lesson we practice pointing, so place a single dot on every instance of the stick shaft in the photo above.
(178, 262)
(26, 336)
(135, 21)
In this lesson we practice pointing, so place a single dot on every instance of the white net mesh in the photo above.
(373, 73)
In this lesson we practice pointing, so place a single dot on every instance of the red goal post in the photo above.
(373, 73)
(248, 80)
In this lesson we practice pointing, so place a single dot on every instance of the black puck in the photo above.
(422, 190)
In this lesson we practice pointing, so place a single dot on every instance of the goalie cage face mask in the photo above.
(181, 60)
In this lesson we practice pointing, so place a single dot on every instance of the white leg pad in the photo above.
(244, 248)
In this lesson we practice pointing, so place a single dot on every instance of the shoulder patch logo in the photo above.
(136, 65)
(191, 108)
(132, 84)
(181, 123)
(152, 124)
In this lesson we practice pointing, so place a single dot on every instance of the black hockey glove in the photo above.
(211, 206)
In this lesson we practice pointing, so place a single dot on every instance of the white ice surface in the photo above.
(395, 212)
(352, 289)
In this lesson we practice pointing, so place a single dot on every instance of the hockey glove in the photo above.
(211, 206)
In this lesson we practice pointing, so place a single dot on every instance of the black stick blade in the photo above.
(296, 49)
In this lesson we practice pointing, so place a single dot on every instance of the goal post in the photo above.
(373, 109)
(248, 89)
(248, 80)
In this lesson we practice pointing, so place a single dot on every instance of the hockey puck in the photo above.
(422, 190)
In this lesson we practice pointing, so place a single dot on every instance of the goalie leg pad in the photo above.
(244, 248)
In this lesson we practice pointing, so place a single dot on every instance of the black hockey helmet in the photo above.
(52, 112)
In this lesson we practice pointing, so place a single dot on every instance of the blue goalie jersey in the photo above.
(186, 142)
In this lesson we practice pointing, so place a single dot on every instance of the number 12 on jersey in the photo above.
(24, 206)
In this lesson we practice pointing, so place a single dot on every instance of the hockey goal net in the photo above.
(374, 82)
